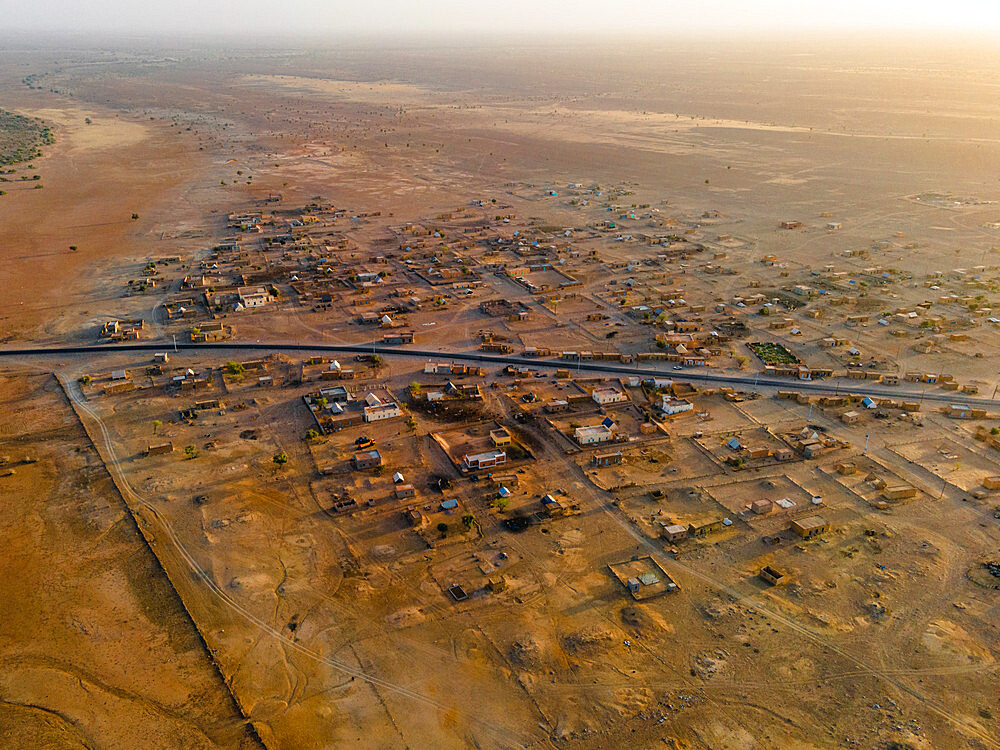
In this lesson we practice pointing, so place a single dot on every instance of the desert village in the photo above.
(557, 464)
(459, 474)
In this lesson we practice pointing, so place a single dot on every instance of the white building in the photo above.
(593, 435)
(660, 382)
(670, 406)
(253, 296)
(382, 411)
(608, 396)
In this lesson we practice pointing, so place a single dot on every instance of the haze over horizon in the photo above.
(395, 17)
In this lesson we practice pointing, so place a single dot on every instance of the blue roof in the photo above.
(734, 444)
(449, 504)
(607, 422)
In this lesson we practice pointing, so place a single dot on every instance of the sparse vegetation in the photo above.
(21, 138)
(771, 353)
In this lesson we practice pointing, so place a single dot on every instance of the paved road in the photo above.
(744, 382)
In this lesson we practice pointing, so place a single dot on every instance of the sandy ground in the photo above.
(96, 648)
(94, 178)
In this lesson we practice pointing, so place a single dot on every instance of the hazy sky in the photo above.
(262, 18)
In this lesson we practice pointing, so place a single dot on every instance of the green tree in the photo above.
(280, 459)
(157, 424)
(443, 528)
(321, 402)
(190, 451)
(468, 520)
(311, 434)
(234, 368)
(415, 388)
(83, 379)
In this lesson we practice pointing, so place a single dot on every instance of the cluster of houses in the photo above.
(336, 407)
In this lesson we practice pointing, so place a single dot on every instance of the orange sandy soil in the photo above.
(94, 177)
(95, 647)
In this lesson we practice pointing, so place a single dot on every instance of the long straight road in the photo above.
(756, 382)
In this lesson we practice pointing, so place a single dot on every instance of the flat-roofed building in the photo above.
(593, 435)
(485, 460)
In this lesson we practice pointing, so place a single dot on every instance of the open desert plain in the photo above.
(552, 393)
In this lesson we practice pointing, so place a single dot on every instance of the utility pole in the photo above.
(867, 438)
(175, 343)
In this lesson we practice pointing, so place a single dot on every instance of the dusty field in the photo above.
(97, 650)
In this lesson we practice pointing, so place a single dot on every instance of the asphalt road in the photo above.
(744, 382)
